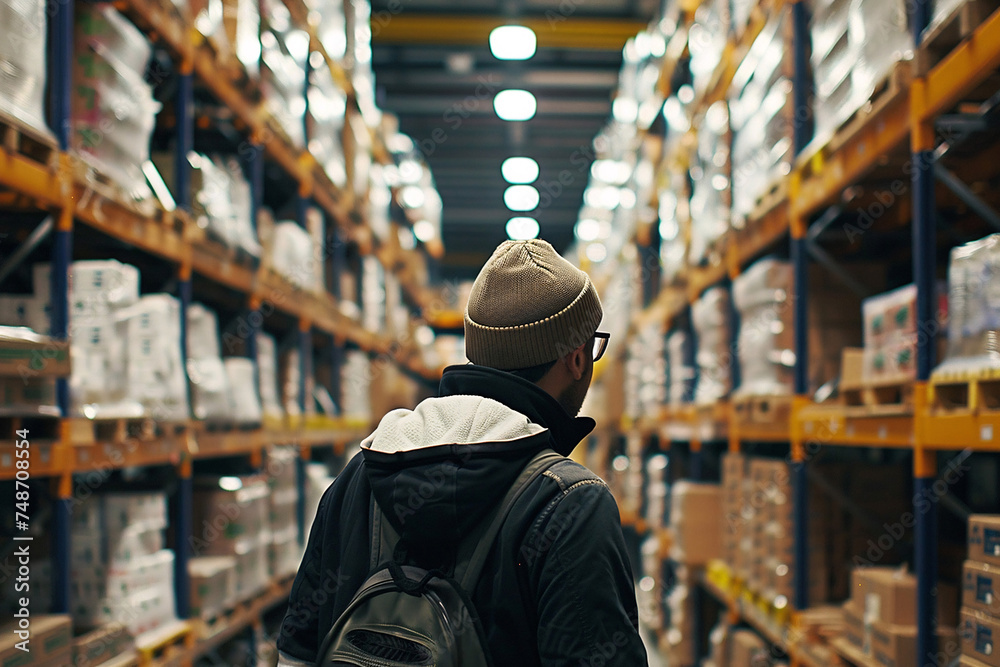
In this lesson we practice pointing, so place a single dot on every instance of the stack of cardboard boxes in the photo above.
(49, 643)
(980, 622)
(121, 572)
(679, 642)
(231, 520)
(891, 333)
(881, 615)
(711, 316)
(694, 507)
(285, 552)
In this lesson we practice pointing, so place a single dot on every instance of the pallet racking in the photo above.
(41, 175)
(898, 128)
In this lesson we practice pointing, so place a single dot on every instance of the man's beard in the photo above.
(572, 398)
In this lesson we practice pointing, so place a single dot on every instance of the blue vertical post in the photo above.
(925, 468)
(800, 267)
(60, 68)
(338, 259)
(62, 255)
(184, 502)
(184, 139)
(305, 370)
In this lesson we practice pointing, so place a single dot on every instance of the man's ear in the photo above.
(576, 362)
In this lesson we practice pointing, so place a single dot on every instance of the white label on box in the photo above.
(986, 432)
(883, 432)
(6, 460)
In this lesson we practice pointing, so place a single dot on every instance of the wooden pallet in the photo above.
(21, 139)
(896, 83)
(119, 431)
(977, 391)
(163, 644)
(770, 199)
(763, 410)
(102, 187)
(879, 398)
(41, 428)
(958, 26)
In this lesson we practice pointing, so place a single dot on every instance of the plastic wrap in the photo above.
(356, 376)
(710, 176)
(155, 371)
(284, 54)
(372, 294)
(267, 361)
(760, 100)
(327, 107)
(763, 296)
(879, 30)
(293, 255)
(974, 306)
(681, 372)
(707, 41)
(712, 322)
(112, 108)
(22, 62)
(332, 26)
(244, 399)
(646, 374)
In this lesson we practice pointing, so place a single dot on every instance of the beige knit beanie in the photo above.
(527, 307)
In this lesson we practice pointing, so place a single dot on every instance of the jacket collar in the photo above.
(520, 395)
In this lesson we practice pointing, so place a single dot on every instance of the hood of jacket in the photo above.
(436, 471)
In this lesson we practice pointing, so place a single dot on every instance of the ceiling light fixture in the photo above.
(521, 198)
(515, 104)
(513, 42)
(518, 170)
(522, 228)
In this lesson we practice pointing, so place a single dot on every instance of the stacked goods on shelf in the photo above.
(318, 480)
(51, 639)
(707, 42)
(284, 52)
(25, 310)
(233, 28)
(763, 296)
(890, 337)
(373, 296)
(120, 570)
(880, 618)
(758, 524)
(759, 104)
(980, 628)
(630, 491)
(244, 400)
(267, 368)
(232, 519)
(681, 638)
(359, 59)
(291, 371)
(645, 373)
(747, 648)
(679, 367)
(974, 307)
(657, 492)
(356, 387)
(855, 44)
(693, 506)
(29, 365)
(325, 120)
(221, 202)
(210, 391)
(673, 209)
(710, 194)
(107, 645)
(650, 593)
(331, 27)
(155, 379)
(711, 316)
(213, 585)
(22, 76)
(112, 109)
(293, 255)
(284, 550)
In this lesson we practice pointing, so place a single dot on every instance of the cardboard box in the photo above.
(885, 594)
(744, 647)
(981, 587)
(33, 356)
(213, 585)
(984, 538)
(230, 522)
(694, 508)
(102, 645)
(980, 637)
(49, 642)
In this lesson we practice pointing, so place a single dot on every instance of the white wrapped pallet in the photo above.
(244, 399)
(712, 322)
(267, 365)
(763, 296)
(284, 52)
(294, 254)
(680, 371)
(327, 107)
(710, 176)
(113, 111)
(974, 307)
(155, 375)
(356, 387)
(22, 62)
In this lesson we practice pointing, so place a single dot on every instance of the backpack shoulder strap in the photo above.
(541, 462)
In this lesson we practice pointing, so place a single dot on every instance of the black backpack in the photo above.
(404, 616)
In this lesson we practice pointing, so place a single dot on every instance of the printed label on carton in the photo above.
(984, 589)
(991, 541)
(984, 639)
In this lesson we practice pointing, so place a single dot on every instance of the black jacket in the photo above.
(557, 589)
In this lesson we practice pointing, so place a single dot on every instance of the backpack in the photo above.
(404, 615)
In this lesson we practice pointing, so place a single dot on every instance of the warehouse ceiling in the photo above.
(435, 71)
